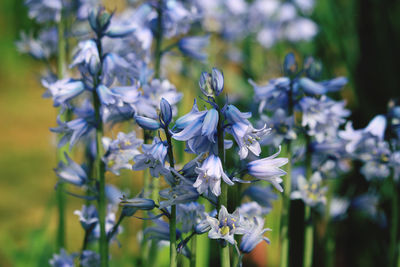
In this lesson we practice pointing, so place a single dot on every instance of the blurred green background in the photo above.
(358, 38)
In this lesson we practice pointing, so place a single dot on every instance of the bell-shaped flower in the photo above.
(311, 192)
(62, 91)
(225, 226)
(44, 10)
(205, 125)
(193, 46)
(147, 123)
(165, 112)
(153, 157)
(77, 128)
(263, 195)
(87, 55)
(254, 235)
(71, 172)
(212, 84)
(89, 258)
(268, 169)
(63, 259)
(282, 128)
(190, 215)
(121, 151)
(88, 217)
(209, 176)
(179, 194)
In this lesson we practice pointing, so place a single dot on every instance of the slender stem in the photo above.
(61, 199)
(159, 38)
(309, 234)
(394, 224)
(115, 227)
(172, 220)
(284, 231)
(99, 164)
(223, 198)
(193, 249)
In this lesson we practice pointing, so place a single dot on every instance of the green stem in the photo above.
(193, 249)
(99, 164)
(223, 198)
(309, 234)
(61, 199)
(394, 224)
(284, 231)
(172, 220)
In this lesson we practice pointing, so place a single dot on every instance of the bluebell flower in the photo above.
(147, 123)
(193, 46)
(87, 55)
(273, 95)
(322, 116)
(165, 112)
(188, 118)
(290, 64)
(263, 195)
(319, 88)
(116, 66)
(244, 133)
(225, 226)
(253, 209)
(138, 203)
(212, 84)
(153, 92)
(311, 192)
(71, 172)
(88, 216)
(84, 7)
(205, 125)
(99, 20)
(44, 10)
(121, 151)
(42, 47)
(76, 129)
(89, 258)
(160, 232)
(62, 259)
(62, 91)
(282, 128)
(190, 215)
(268, 169)
(184, 192)
(254, 235)
(153, 157)
(209, 176)
(338, 208)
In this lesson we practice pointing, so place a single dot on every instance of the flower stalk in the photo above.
(223, 198)
(308, 220)
(61, 199)
(99, 164)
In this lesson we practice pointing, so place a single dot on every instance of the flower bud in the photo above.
(130, 206)
(289, 65)
(147, 123)
(313, 68)
(99, 20)
(166, 112)
(217, 81)
(212, 84)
